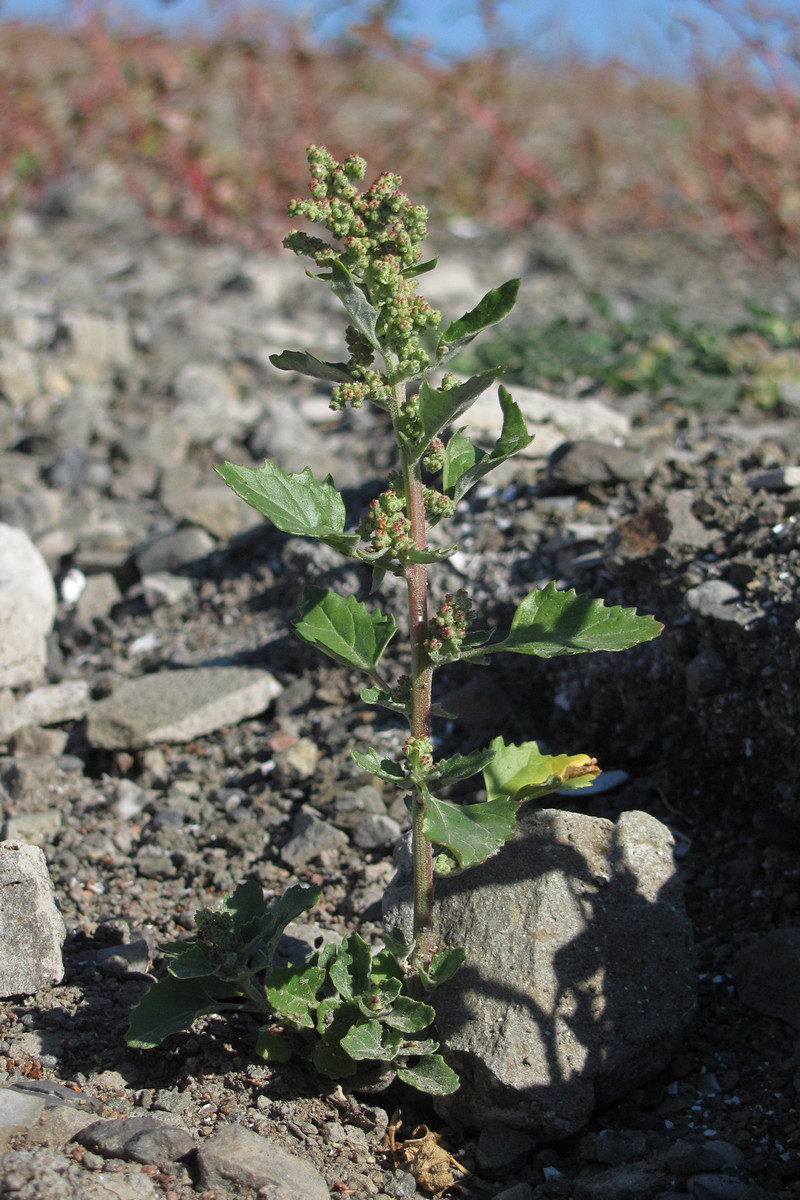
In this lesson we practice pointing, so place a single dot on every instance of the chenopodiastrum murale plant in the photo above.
(355, 1013)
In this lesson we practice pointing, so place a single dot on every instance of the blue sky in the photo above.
(649, 33)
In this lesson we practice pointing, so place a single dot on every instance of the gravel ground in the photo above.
(130, 362)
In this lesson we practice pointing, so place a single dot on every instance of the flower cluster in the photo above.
(448, 627)
(365, 385)
(380, 230)
(437, 504)
(418, 752)
(386, 526)
(433, 460)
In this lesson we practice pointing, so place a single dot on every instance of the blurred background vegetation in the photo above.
(208, 125)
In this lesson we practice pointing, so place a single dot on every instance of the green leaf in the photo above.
(428, 555)
(410, 1016)
(549, 622)
(384, 768)
(260, 923)
(420, 269)
(372, 1040)
(460, 474)
(194, 962)
(306, 364)
(495, 305)
(362, 314)
(247, 903)
(171, 1005)
(292, 992)
(524, 773)
(462, 766)
(472, 832)
(331, 1060)
(378, 1000)
(431, 1074)
(273, 1046)
(397, 946)
(297, 504)
(343, 628)
(459, 457)
(376, 695)
(349, 971)
(438, 408)
(443, 966)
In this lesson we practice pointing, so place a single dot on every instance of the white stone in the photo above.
(27, 608)
(31, 927)
(551, 419)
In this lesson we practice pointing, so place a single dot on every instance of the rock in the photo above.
(209, 405)
(553, 419)
(778, 479)
(173, 550)
(27, 608)
(161, 587)
(17, 1113)
(581, 463)
(235, 1158)
(716, 1187)
(311, 837)
(579, 977)
(31, 927)
(706, 674)
(635, 1182)
(137, 1139)
(686, 529)
(100, 340)
(614, 1147)
(176, 706)
(375, 831)
(66, 701)
(719, 601)
(98, 597)
(502, 1150)
(767, 975)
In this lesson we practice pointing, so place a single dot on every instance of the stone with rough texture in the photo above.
(31, 927)
(579, 978)
(176, 706)
(27, 608)
(767, 975)
(235, 1158)
(553, 419)
(47, 706)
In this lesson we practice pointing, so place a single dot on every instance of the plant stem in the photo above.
(421, 677)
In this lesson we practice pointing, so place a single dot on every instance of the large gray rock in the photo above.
(27, 608)
(237, 1159)
(579, 978)
(31, 927)
(176, 706)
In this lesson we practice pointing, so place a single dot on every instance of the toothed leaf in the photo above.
(295, 503)
(549, 622)
(471, 832)
(343, 628)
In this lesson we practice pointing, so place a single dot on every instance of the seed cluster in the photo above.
(380, 231)
(385, 525)
(418, 752)
(449, 626)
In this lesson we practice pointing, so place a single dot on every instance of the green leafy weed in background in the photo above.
(361, 1016)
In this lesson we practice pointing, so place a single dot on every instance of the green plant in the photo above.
(349, 1009)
